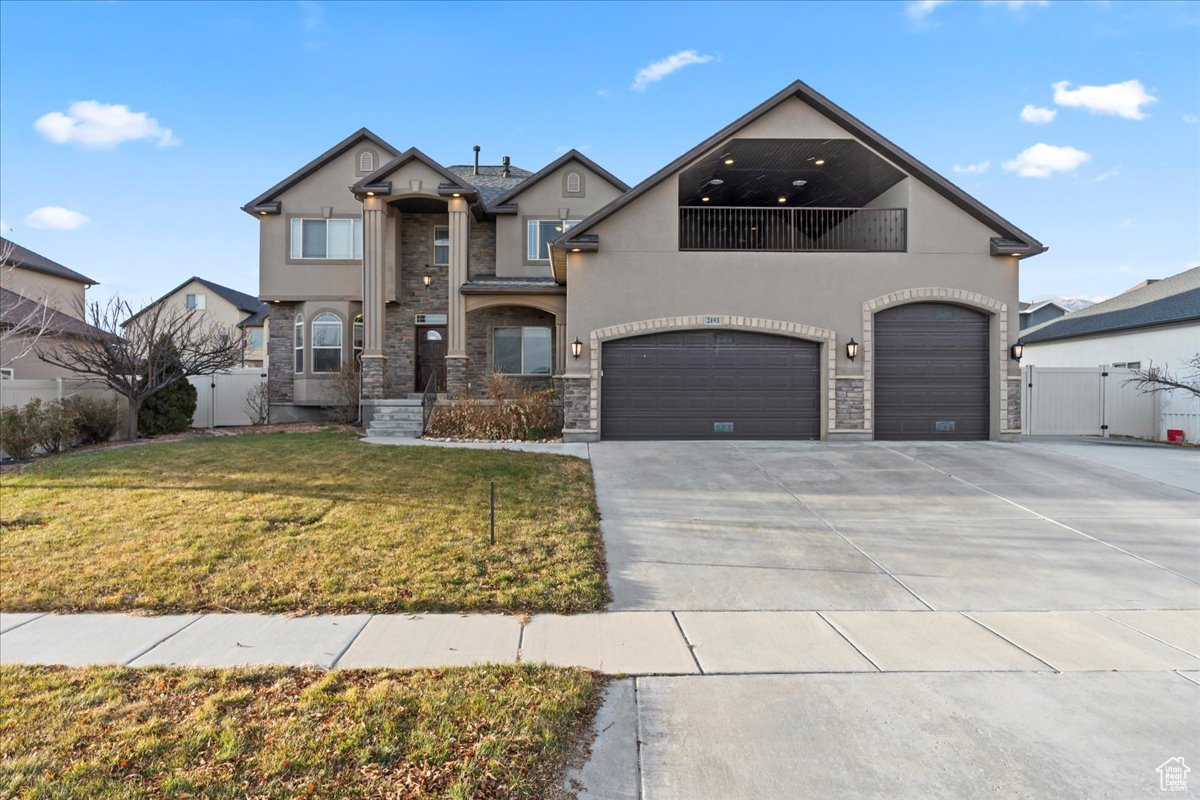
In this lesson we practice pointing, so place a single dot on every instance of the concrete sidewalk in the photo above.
(576, 449)
(633, 643)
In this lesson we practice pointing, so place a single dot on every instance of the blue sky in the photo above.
(222, 100)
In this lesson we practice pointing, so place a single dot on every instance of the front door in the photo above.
(431, 358)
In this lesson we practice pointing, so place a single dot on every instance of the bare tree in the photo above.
(1152, 379)
(141, 353)
(23, 320)
(258, 404)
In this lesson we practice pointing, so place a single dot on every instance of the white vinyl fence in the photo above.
(221, 399)
(18, 392)
(1097, 401)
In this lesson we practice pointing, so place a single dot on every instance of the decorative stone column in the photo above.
(374, 362)
(456, 324)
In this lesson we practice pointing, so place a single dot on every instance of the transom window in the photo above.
(541, 232)
(326, 342)
(522, 351)
(327, 238)
(194, 301)
(441, 245)
(299, 343)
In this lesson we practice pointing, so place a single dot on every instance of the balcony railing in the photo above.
(794, 230)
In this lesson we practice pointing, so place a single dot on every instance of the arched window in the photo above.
(366, 161)
(299, 343)
(574, 182)
(326, 342)
(356, 340)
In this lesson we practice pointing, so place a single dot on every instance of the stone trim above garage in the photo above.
(711, 321)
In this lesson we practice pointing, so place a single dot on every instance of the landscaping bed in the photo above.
(479, 732)
(312, 522)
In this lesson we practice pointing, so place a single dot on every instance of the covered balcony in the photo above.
(793, 195)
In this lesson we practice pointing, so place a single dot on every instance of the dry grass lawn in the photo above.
(314, 522)
(480, 732)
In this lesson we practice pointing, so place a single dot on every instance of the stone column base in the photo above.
(849, 405)
(577, 403)
(373, 369)
(456, 375)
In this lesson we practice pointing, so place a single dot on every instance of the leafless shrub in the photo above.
(342, 392)
(510, 412)
(258, 404)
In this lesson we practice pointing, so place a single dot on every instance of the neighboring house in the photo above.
(1156, 322)
(32, 287)
(795, 275)
(226, 307)
(1037, 313)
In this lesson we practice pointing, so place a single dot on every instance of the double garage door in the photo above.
(931, 381)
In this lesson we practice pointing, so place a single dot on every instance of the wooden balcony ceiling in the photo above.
(764, 170)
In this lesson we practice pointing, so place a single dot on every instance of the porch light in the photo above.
(819, 162)
(704, 199)
(576, 250)
(1016, 255)
(851, 349)
(1017, 351)
(370, 194)
(428, 279)
(729, 162)
(576, 348)
(783, 199)
(456, 194)
(262, 213)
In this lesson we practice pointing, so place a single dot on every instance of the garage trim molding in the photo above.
(924, 295)
(708, 322)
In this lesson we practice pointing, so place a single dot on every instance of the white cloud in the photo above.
(1036, 115)
(55, 218)
(4, 225)
(973, 169)
(658, 70)
(1103, 176)
(1120, 99)
(1043, 160)
(1191, 119)
(101, 126)
(918, 10)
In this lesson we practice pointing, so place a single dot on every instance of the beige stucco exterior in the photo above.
(60, 294)
(218, 311)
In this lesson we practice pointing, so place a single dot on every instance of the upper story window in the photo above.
(441, 245)
(366, 161)
(254, 338)
(326, 239)
(299, 343)
(326, 342)
(194, 301)
(574, 184)
(522, 351)
(541, 232)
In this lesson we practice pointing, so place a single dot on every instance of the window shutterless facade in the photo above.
(326, 342)
(315, 239)
(299, 343)
(522, 351)
(194, 301)
(441, 245)
(541, 232)
(254, 338)
(356, 340)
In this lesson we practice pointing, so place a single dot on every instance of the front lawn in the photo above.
(299, 523)
(480, 732)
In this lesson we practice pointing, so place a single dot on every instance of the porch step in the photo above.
(401, 417)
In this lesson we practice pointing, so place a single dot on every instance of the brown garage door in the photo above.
(931, 372)
(710, 384)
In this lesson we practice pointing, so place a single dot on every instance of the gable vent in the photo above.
(366, 161)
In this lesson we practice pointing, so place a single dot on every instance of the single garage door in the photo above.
(931, 372)
(710, 384)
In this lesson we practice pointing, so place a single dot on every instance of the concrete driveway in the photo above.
(847, 565)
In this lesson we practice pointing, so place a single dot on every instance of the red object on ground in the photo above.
(1174, 435)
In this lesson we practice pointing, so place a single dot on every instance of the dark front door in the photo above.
(710, 384)
(431, 358)
(931, 372)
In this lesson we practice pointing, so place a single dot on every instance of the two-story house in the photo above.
(226, 308)
(795, 275)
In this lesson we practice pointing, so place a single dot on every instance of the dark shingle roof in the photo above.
(490, 181)
(257, 309)
(15, 307)
(1173, 300)
(27, 259)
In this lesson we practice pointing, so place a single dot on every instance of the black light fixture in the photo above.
(577, 347)
(1017, 351)
(851, 349)
(428, 279)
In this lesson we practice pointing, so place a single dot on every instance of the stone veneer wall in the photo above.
(1014, 404)
(481, 249)
(848, 403)
(399, 334)
(281, 353)
(479, 343)
(576, 397)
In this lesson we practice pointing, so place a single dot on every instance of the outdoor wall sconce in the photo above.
(428, 279)
(1017, 351)
(577, 347)
(851, 349)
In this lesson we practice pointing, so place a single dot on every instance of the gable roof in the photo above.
(318, 162)
(1029, 308)
(411, 154)
(27, 259)
(16, 307)
(553, 166)
(490, 181)
(798, 89)
(1169, 301)
(251, 305)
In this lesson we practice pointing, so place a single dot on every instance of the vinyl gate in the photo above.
(1086, 401)
(221, 398)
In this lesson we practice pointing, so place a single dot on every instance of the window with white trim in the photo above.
(326, 342)
(522, 351)
(194, 301)
(326, 239)
(6, 374)
(540, 233)
(441, 245)
(574, 182)
(254, 338)
(298, 343)
(356, 340)
(366, 161)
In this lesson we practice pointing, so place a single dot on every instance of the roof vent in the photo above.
(476, 170)
(506, 172)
